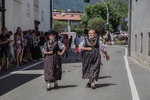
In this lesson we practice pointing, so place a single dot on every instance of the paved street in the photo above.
(115, 81)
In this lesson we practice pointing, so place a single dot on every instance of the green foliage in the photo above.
(79, 30)
(96, 24)
(122, 8)
(59, 26)
(84, 20)
(117, 13)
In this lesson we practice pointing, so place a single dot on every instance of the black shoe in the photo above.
(88, 84)
(56, 84)
(48, 89)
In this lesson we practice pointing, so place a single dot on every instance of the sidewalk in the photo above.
(141, 75)
(12, 69)
(71, 59)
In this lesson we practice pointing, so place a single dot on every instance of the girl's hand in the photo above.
(89, 49)
(47, 53)
(107, 57)
(60, 53)
(50, 52)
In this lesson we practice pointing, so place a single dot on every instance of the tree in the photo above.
(59, 26)
(96, 24)
(122, 8)
(98, 10)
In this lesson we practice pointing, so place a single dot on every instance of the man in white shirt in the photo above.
(77, 41)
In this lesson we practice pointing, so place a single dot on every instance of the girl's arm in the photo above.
(103, 49)
(3, 42)
(106, 55)
(62, 47)
(83, 48)
(47, 53)
(44, 50)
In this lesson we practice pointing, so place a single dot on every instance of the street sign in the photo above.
(106, 26)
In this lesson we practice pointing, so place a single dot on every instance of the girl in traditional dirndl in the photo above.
(53, 50)
(91, 47)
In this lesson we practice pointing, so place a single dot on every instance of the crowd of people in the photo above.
(24, 46)
(110, 38)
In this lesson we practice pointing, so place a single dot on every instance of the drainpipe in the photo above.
(3, 13)
(129, 26)
(51, 14)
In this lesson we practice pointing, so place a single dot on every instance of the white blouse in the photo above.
(60, 45)
(102, 46)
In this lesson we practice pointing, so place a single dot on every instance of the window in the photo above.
(28, 10)
(141, 42)
(36, 3)
(148, 44)
(135, 43)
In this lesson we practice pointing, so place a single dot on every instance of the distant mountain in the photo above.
(73, 5)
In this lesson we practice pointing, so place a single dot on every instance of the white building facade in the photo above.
(140, 31)
(27, 14)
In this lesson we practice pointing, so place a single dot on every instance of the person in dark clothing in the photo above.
(41, 42)
(4, 47)
(91, 47)
(53, 50)
(34, 46)
(10, 47)
(65, 41)
(70, 42)
(109, 38)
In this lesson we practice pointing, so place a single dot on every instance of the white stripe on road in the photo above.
(15, 72)
(133, 88)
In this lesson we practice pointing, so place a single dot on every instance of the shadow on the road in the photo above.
(102, 77)
(66, 86)
(14, 81)
(104, 85)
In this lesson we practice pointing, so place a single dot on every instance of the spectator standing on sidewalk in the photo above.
(25, 53)
(29, 44)
(18, 47)
(91, 47)
(4, 44)
(20, 34)
(53, 50)
(10, 46)
(34, 46)
(77, 41)
(42, 41)
(70, 43)
(65, 41)
(109, 38)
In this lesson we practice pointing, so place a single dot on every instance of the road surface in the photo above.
(116, 81)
